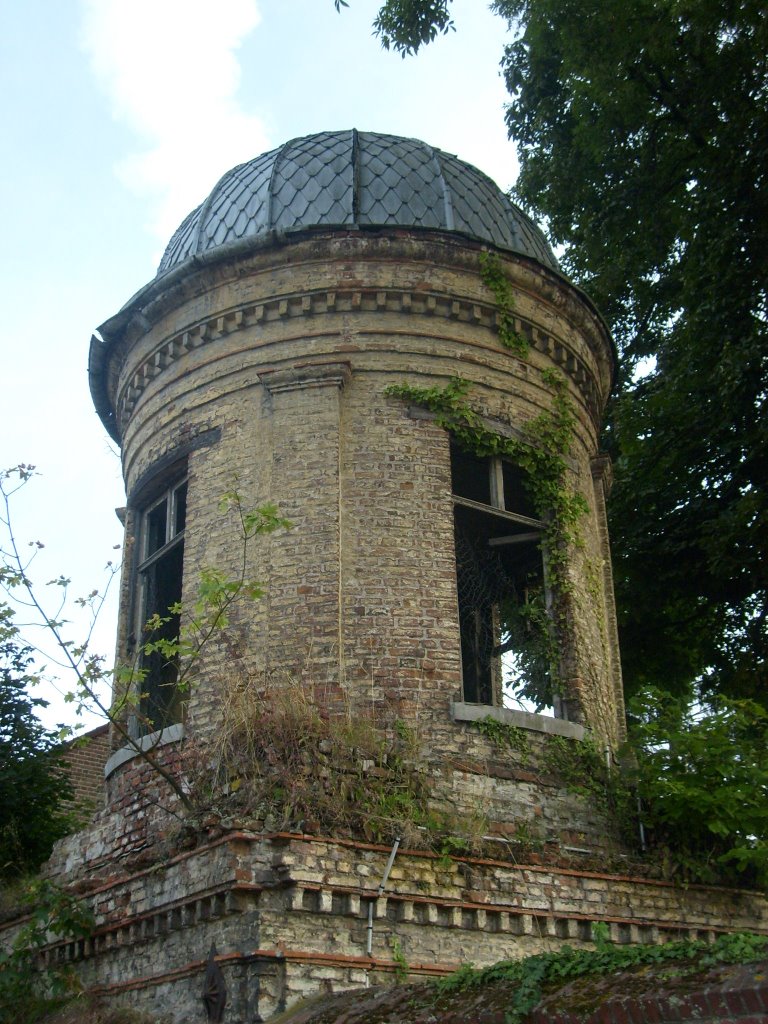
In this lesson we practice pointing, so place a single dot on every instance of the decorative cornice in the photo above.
(324, 302)
(338, 901)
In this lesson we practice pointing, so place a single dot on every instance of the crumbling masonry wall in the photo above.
(288, 914)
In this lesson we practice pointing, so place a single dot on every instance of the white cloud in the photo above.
(170, 70)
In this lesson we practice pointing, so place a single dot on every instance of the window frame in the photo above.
(493, 684)
(160, 567)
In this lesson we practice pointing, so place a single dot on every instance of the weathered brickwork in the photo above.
(139, 816)
(504, 795)
(265, 371)
(85, 759)
(290, 365)
(737, 993)
(289, 917)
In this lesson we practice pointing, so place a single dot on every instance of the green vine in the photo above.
(402, 967)
(541, 451)
(525, 981)
(582, 769)
(494, 278)
(503, 734)
(579, 766)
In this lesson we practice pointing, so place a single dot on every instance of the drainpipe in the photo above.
(379, 892)
(640, 825)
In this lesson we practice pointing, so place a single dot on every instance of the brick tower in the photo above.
(300, 320)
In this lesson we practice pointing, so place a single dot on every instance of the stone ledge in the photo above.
(171, 734)
(461, 712)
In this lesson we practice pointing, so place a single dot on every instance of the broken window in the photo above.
(503, 616)
(160, 578)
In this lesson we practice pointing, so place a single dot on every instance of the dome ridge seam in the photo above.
(447, 201)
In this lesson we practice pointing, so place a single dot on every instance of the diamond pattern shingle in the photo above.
(337, 179)
(181, 245)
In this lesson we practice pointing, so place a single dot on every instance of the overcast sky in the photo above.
(118, 117)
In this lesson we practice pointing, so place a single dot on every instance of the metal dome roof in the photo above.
(354, 179)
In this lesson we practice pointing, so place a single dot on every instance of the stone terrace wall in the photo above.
(289, 913)
(512, 794)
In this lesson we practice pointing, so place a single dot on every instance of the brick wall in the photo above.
(288, 914)
(85, 758)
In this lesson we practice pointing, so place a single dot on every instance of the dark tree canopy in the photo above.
(34, 784)
(643, 135)
(642, 130)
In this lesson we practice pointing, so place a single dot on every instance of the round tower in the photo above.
(365, 332)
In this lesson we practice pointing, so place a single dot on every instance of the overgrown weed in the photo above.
(279, 761)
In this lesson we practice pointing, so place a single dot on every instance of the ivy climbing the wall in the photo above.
(494, 278)
(540, 451)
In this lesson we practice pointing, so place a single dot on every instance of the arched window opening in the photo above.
(160, 574)
(503, 600)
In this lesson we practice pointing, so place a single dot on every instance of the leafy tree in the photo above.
(643, 135)
(642, 131)
(405, 25)
(34, 784)
(703, 777)
(29, 990)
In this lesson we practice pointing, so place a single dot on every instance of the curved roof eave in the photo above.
(111, 332)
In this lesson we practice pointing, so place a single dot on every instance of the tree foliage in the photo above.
(406, 25)
(703, 777)
(642, 131)
(34, 783)
(643, 138)
(29, 990)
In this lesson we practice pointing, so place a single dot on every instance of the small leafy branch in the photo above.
(202, 622)
(525, 981)
(27, 990)
(494, 278)
(405, 26)
(217, 593)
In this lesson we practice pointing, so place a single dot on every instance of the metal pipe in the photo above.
(640, 823)
(379, 891)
